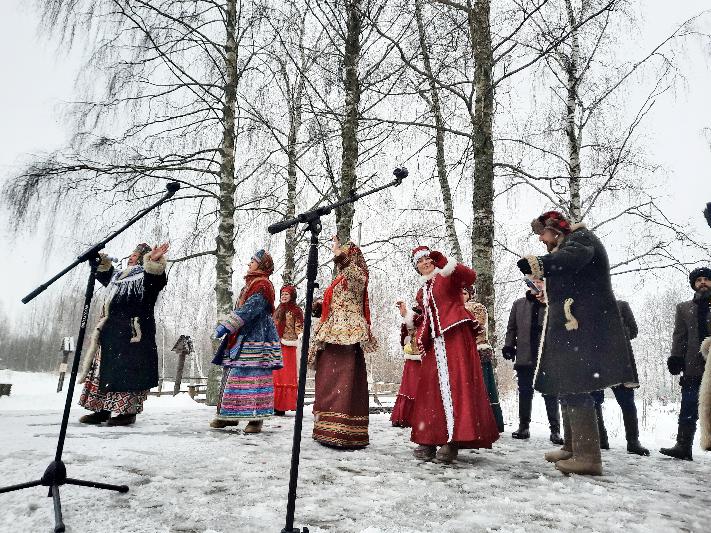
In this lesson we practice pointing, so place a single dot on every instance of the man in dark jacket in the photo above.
(623, 394)
(523, 336)
(691, 325)
(584, 345)
(121, 364)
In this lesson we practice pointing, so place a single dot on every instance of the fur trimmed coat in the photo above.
(705, 398)
(584, 347)
(126, 335)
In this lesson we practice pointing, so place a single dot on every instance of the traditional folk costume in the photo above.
(340, 339)
(253, 351)
(452, 409)
(289, 321)
(402, 410)
(486, 355)
(121, 363)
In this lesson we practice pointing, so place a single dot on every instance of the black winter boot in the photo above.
(121, 420)
(524, 418)
(684, 442)
(604, 442)
(553, 418)
(95, 418)
(632, 433)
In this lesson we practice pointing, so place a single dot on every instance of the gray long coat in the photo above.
(519, 331)
(584, 346)
(686, 341)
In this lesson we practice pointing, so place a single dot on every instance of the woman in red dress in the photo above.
(402, 410)
(289, 322)
(452, 407)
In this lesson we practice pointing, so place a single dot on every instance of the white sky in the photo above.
(37, 79)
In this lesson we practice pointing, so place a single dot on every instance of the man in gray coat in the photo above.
(691, 325)
(523, 336)
(584, 345)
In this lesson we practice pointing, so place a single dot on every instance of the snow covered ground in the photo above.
(186, 477)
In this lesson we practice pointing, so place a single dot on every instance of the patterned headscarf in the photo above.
(264, 260)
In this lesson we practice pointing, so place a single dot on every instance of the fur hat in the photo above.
(697, 273)
(552, 220)
(418, 253)
(142, 249)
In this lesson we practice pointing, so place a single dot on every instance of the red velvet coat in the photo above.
(444, 301)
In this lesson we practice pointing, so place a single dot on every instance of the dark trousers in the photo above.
(581, 400)
(689, 412)
(524, 377)
(623, 395)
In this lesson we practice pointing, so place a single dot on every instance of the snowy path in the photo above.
(185, 477)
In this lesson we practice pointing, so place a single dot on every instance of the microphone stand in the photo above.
(312, 219)
(56, 473)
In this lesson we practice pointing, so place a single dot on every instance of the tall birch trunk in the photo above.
(349, 124)
(295, 117)
(436, 110)
(482, 137)
(226, 227)
(573, 136)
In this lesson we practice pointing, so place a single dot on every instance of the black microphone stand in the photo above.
(312, 219)
(56, 473)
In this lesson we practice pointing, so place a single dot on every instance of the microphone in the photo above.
(112, 259)
(400, 173)
(172, 187)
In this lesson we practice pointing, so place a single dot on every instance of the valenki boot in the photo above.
(254, 426)
(121, 420)
(525, 406)
(96, 418)
(684, 443)
(632, 433)
(424, 452)
(553, 418)
(601, 430)
(216, 423)
(586, 459)
(447, 453)
(566, 452)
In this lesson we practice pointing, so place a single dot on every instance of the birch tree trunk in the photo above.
(295, 118)
(349, 124)
(225, 249)
(436, 110)
(571, 132)
(482, 137)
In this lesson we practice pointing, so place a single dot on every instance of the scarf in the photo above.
(254, 283)
(288, 307)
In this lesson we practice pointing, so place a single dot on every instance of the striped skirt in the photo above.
(246, 393)
(341, 403)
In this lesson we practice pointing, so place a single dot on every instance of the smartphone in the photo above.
(532, 286)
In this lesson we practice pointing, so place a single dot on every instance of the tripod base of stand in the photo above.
(295, 530)
(54, 477)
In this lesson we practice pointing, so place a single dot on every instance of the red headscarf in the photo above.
(352, 254)
(288, 307)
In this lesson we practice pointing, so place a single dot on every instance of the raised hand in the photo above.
(158, 251)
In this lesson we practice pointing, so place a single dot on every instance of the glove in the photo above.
(524, 266)
(508, 352)
(675, 364)
(707, 213)
(220, 331)
(439, 260)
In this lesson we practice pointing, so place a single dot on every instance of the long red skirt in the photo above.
(341, 403)
(286, 381)
(474, 423)
(402, 410)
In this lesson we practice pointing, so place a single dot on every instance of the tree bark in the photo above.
(436, 110)
(571, 133)
(226, 227)
(349, 124)
(482, 138)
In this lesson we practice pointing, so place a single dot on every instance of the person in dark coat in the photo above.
(121, 364)
(623, 394)
(523, 336)
(584, 345)
(692, 324)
